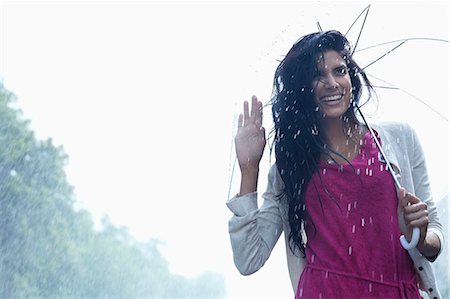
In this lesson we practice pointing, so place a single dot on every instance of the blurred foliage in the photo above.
(49, 249)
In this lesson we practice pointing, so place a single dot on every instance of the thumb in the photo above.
(402, 197)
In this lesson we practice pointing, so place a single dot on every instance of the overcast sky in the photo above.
(143, 96)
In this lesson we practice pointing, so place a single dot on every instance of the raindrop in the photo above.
(370, 172)
(13, 172)
(320, 295)
(367, 171)
(312, 258)
(362, 222)
(369, 162)
(381, 167)
(354, 205)
(353, 228)
(370, 287)
(27, 157)
(398, 140)
(317, 108)
(303, 89)
(276, 231)
(381, 277)
(350, 250)
(349, 206)
(301, 292)
(392, 219)
(315, 131)
(370, 219)
(358, 171)
(324, 171)
(326, 274)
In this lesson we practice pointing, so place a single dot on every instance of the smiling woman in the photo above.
(328, 179)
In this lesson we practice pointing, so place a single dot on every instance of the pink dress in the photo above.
(353, 248)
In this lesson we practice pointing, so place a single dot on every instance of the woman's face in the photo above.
(332, 85)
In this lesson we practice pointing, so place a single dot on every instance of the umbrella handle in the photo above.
(414, 239)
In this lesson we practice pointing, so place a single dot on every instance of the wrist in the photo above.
(249, 180)
(430, 247)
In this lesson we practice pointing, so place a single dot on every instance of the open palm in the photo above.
(250, 139)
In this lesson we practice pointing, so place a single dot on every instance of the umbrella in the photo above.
(397, 44)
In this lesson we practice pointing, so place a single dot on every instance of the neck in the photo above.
(343, 137)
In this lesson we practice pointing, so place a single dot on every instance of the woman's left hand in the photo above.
(415, 214)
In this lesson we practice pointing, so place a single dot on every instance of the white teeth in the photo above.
(332, 98)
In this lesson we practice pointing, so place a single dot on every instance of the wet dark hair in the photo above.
(298, 138)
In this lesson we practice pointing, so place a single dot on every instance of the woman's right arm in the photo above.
(253, 231)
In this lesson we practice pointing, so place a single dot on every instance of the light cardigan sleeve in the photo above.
(255, 231)
(423, 190)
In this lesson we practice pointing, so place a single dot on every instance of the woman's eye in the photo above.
(342, 71)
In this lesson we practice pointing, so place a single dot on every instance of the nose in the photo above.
(330, 82)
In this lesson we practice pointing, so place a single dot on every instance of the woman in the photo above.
(329, 190)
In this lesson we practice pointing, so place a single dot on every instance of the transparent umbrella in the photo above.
(395, 44)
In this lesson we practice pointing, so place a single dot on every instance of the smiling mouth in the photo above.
(332, 98)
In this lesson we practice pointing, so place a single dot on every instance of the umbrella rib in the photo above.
(411, 95)
(362, 27)
(383, 55)
(404, 40)
(357, 18)
(319, 27)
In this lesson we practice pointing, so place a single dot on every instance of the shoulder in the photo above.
(395, 132)
(392, 127)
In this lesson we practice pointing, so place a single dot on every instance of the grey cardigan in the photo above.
(254, 231)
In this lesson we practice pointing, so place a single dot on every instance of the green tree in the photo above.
(48, 249)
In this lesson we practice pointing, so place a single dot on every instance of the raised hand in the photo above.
(250, 139)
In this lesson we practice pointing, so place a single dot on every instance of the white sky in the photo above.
(142, 96)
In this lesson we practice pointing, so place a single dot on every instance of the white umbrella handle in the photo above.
(414, 239)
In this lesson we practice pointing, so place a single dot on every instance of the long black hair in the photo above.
(298, 139)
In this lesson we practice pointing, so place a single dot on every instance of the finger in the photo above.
(240, 119)
(254, 106)
(246, 114)
(412, 199)
(421, 206)
(409, 218)
(259, 114)
(402, 197)
(422, 222)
